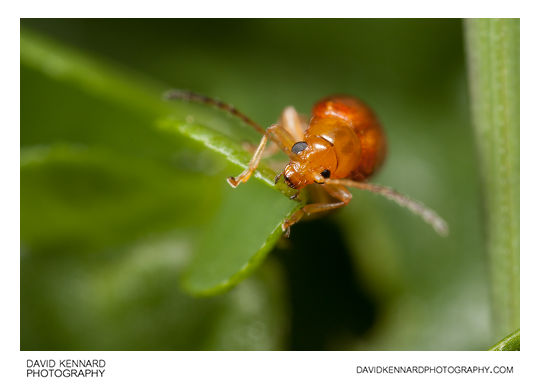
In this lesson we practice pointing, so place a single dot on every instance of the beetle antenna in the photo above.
(177, 94)
(428, 215)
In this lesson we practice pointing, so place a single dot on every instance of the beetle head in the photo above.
(314, 162)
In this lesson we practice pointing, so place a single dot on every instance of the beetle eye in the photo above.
(299, 147)
(325, 173)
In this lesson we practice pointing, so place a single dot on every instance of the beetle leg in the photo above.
(293, 123)
(282, 138)
(271, 149)
(339, 192)
(253, 164)
(278, 135)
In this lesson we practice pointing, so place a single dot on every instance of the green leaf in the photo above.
(127, 299)
(75, 192)
(509, 343)
(493, 59)
(135, 147)
(214, 268)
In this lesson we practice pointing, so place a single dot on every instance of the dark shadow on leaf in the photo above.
(328, 305)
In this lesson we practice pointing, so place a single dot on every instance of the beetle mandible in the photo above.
(342, 145)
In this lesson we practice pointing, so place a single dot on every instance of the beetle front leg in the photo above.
(278, 135)
(270, 150)
(293, 123)
(339, 192)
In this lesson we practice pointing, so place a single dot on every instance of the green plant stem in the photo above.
(493, 60)
(509, 343)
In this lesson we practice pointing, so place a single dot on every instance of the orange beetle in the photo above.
(344, 140)
(342, 146)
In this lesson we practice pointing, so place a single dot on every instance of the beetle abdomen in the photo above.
(371, 143)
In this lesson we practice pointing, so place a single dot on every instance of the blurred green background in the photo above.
(112, 209)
